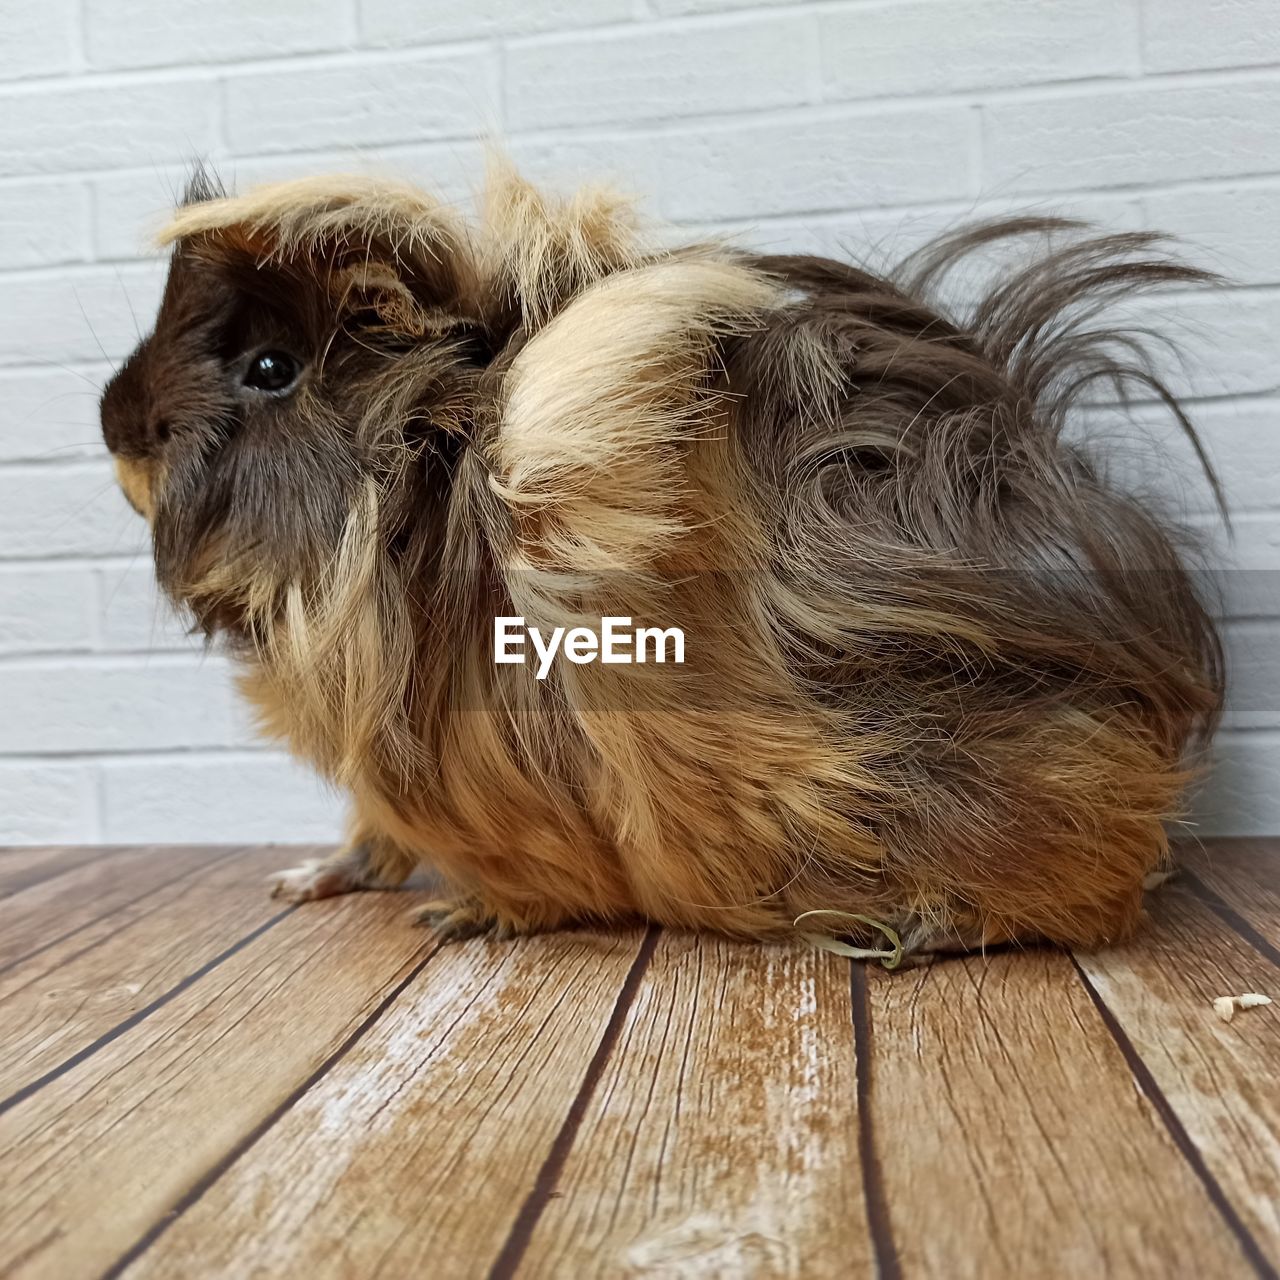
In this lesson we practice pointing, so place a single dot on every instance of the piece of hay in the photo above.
(1225, 1006)
(891, 959)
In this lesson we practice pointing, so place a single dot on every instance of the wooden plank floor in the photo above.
(195, 1082)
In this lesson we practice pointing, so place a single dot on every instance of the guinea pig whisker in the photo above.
(64, 448)
(128, 302)
(77, 373)
(115, 368)
(75, 512)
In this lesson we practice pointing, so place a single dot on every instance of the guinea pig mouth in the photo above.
(136, 477)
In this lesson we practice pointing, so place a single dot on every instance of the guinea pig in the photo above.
(943, 678)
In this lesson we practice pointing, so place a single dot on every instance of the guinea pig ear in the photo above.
(374, 294)
(381, 247)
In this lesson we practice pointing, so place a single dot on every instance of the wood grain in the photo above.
(54, 909)
(1011, 1138)
(413, 1156)
(73, 992)
(101, 1154)
(1244, 877)
(22, 868)
(1219, 1078)
(723, 1139)
(198, 1082)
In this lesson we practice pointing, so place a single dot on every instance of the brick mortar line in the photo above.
(392, 152)
(890, 102)
(569, 37)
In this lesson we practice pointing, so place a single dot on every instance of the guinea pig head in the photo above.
(309, 384)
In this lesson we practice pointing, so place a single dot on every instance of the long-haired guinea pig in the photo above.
(939, 672)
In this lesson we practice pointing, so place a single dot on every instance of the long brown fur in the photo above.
(940, 672)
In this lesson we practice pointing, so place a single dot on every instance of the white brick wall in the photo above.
(819, 124)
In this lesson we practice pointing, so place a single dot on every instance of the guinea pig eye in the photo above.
(274, 372)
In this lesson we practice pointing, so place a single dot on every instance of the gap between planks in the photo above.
(878, 1204)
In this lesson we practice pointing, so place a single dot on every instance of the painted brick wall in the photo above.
(817, 125)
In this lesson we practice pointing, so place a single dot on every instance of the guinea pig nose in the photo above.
(123, 408)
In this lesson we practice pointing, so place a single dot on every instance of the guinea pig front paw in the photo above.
(456, 919)
(316, 878)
